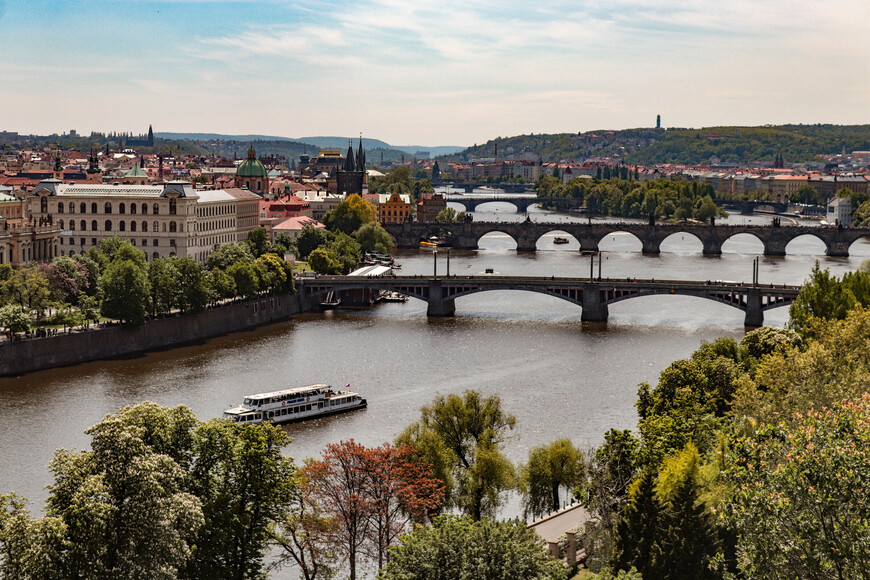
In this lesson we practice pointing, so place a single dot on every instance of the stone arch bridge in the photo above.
(521, 202)
(593, 296)
(466, 235)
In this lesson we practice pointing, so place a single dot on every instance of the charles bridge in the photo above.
(466, 235)
(592, 295)
(522, 202)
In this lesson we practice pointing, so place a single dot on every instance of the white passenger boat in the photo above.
(297, 404)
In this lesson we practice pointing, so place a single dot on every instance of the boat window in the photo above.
(307, 407)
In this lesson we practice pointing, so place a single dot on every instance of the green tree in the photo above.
(471, 431)
(821, 296)
(227, 255)
(371, 237)
(311, 238)
(350, 214)
(706, 209)
(550, 467)
(163, 279)
(464, 549)
(324, 261)
(258, 241)
(799, 504)
(192, 285)
(14, 319)
(450, 215)
(245, 277)
(125, 292)
(278, 275)
(221, 285)
(637, 532)
(807, 195)
(347, 251)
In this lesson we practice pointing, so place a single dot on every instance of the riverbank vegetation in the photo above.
(115, 282)
(624, 197)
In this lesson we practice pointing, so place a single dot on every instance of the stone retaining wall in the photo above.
(68, 349)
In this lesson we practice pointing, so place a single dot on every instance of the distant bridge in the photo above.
(593, 296)
(748, 206)
(775, 238)
(521, 202)
(470, 186)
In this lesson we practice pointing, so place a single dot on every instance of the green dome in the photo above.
(251, 167)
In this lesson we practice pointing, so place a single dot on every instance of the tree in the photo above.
(450, 215)
(245, 277)
(550, 467)
(311, 238)
(339, 484)
(220, 285)
(66, 278)
(804, 514)
(125, 292)
(163, 279)
(346, 250)
(821, 296)
(462, 548)
(278, 275)
(258, 241)
(350, 214)
(14, 319)
(192, 285)
(706, 209)
(324, 261)
(305, 535)
(807, 195)
(462, 437)
(227, 255)
(245, 485)
(371, 237)
(638, 528)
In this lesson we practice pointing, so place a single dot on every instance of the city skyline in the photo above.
(431, 74)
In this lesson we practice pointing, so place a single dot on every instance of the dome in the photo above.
(251, 167)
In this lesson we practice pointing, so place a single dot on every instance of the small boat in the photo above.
(429, 244)
(560, 240)
(299, 404)
(331, 301)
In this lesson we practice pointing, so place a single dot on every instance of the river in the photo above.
(561, 378)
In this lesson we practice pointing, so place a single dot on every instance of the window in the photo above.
(156, 209)
(133, 241)
(164, 227)
(84, 225)
(72, 225)
(172, 206)
(132, 225)
(60, 223)
(155, 255)
(132, 208)
(122, 226)
(145, 242)
(144, 208)
(72, 207)
(144, 226)
(108, 225)
(155, 242)
(94, 240)
(82, 242)
(60, 207)
(82, 208)
(156, 228)
(43, 204)
(107, 208)
(122, 208)
(94, 207)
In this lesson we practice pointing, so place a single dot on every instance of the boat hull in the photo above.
(337, 411)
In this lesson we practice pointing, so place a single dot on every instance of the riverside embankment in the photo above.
(26, 356)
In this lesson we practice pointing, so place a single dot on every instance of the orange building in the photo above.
(394, 209)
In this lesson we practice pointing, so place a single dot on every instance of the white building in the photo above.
(839, 211)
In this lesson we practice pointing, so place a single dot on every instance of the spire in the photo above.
(251, 153)
(150, 136)
(348, 160)
(360, 156)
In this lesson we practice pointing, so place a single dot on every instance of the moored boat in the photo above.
(299, 404)
(560, 240)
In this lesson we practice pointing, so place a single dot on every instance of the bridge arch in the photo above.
(619, 240)
(860, 248)
(743, 243)
(495, 241)
(682, 242)
(806, 244)
(552, 240)
(501, 205)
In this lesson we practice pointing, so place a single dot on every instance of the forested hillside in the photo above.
(796, 143)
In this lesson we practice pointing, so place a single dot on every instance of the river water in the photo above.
(561, 378)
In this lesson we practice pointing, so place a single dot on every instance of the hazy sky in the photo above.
(429, 73)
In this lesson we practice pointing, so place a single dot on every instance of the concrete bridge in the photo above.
(775, 238)
(521, 202)
(593, 296)
(470, 186)
(748, 206)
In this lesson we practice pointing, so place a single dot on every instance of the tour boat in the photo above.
(560, 240)
(429, 244)
(299, 404)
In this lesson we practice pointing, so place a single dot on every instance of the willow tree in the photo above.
(551, 468)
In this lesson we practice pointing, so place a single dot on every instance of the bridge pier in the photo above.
(837, 249)
(754, 313)
(712, 248)
(774, 247)
(594, 309)
(437, 305)
(651, 246)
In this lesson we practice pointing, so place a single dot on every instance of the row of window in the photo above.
(122, 226)
(214, 225)
(215, 210)
(82, 241)
(107, 207)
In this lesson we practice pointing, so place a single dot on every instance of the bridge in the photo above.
(470, 186)
(593, 296)
(747, 206)
(467, 235)
(521, 202)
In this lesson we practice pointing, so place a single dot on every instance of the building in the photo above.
(351, 177)
(394, 208)
(251, 174)
(22, 240)
(215, 224)
(839, 211)
(293, 226)
(430, 206)
(247, 212)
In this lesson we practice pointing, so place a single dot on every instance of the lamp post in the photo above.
(448, 262)
(435, 263)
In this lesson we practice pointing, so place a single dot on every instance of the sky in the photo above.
(430, 72)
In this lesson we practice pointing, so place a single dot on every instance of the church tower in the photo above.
(58, 167)
(150, 136)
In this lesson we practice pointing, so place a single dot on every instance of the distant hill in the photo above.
(219, 136)
(796, 143)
